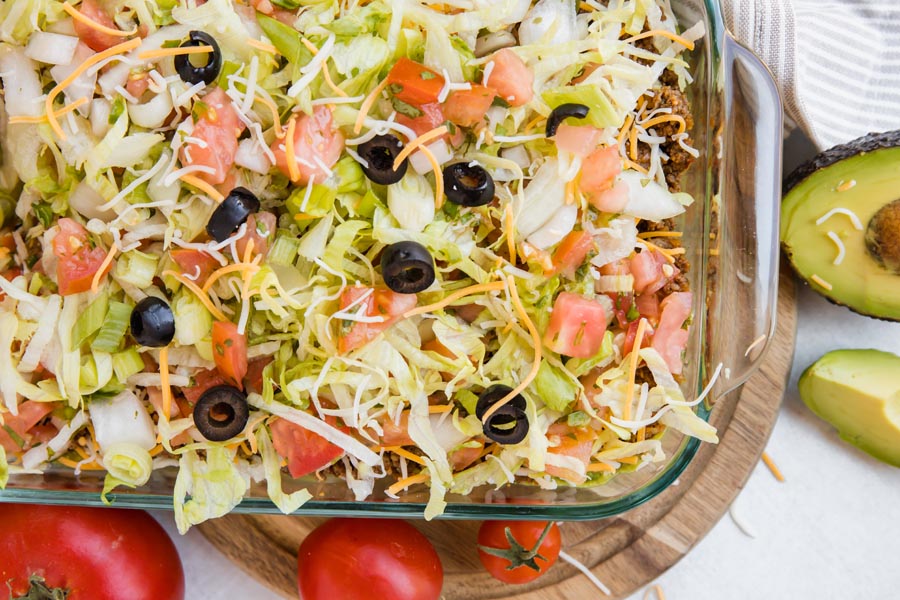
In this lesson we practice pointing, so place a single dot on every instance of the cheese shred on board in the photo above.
(227, 232)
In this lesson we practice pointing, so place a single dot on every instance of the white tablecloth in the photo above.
(830, 532)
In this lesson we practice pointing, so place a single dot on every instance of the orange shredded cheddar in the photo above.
(662, 33)
(405, 483)
(682, 125)
(367, 106)
(328, 80)
(237, 267)
(181, 50)
(600, 468)
(510, 233)
(63, 111)
(79, 16)
(659, 234)
(91, 466)
(101, 271)
(776, 472)
(438, 177)
(164, 381)
(203, 297)
(276, 118)
(419, 141)
(203, 187)
(289, 156)
(451, 298)
(399, 451)
(262, 46)
(440, 408)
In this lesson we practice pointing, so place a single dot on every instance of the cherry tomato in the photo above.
(77, 261)
(230, 352)
(468, 107)
(315, 141)
(571, 252)
(96, 40)
(306, 452)
(368, 559)
(381, 302)
(518, 551)
(414, 83)
(218, 128)
(576, 327)
(512, 79)
(196, 264)
(95, 553)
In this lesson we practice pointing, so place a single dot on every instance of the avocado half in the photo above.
(858, 392)
(858, 185)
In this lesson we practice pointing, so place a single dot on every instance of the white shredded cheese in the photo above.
(857, 224)
(842, 251)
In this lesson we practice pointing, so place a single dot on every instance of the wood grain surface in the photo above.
(625, 552)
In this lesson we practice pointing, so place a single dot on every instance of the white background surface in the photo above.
(830, 532)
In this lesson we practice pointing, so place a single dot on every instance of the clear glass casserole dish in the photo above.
(731, 238)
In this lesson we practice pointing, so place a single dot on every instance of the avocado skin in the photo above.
(859, 149)
(867, 143)
(858, 392)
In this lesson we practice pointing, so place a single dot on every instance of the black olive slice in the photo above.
(468, 184)
(491, 395)
(152, 323)
(191, 73)
(221, 413)
(563, 112)
(379, 154)
(508, 425)
(232, 213)
(407, 267)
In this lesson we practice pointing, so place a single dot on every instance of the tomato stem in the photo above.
(517, 554)
(38, 590)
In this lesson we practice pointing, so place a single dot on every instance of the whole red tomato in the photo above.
(368, 559)
(94, 553)
(518, 551)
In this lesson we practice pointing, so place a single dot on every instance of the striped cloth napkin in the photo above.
(837, 62)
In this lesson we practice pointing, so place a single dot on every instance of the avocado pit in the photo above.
(883, 237)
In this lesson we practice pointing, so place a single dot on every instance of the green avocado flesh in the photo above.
(858, 392)
(863, 184)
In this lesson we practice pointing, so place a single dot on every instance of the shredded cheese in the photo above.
(585, 571)
(276, 118)
(367, 105)
(181, 50)
(857, 224)
(682, 126)
(63, 111)
(438, 177)
(204, 298)
(203, 187)
(632, 368)
(632, 144)
(79, 16)
(328, 80)
(238, 267)
(634, 167)
(600, 468)
(662, 33)
(91, 466)
(289, 156)
(416, 143)
(842, 251)
(104, 266)
(776, 472)
(659, 234)
(511, 233)
(846, 185)
(535, 339)
(164, 381)
(451, 298)
(440, 408)
(93, 60)
(405, 454)
(821, 282)
(408, 481)
(262, 46)
(755, 343)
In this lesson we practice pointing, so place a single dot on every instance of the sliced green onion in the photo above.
(136, 268)
(90, 320)
(127, 363)
(284, 251)
(112, 332)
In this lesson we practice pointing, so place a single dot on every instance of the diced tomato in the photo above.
(511, 77)
(219, 127)
(622, 304)
(631, 335)
(432, 116)
(463, 457)
(576, 327)
(230, 352)
(196, 264)
(21, 425)
(254, 377)
(77, 261)
(261, 229)
(670, 339)
(414, 83)
(468, 107)
(380, 303)
(612, 200)
(599, 170)
(202, 382)
(306, 452)
(580, 140)
(396, 434)
(316, 140)
(649, 273)
(96, 40)
(648, 306)
(137, 85)
(571, 252)
(577, 443)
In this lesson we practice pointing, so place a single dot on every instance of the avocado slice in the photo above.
(858, 185)
(858, 392)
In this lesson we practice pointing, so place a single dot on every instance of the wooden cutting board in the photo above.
(625, 552)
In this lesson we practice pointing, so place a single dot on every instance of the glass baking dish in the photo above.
(731, 237)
